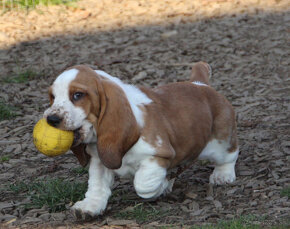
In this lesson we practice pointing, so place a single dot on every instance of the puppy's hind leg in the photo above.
(223, 148)
(224, 159)
(225, 172)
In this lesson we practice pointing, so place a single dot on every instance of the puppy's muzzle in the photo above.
(54, 120)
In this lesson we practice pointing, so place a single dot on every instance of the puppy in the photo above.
(140, 132)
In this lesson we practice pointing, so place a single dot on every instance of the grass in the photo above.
(243, 222)
(80, 170)
(124, 196)
(54, 194)
(141, 213)
(17, 4)
(21, 77)
(285, 192)
(6, 111)
(4, 158)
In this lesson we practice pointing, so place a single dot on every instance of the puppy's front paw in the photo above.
(88, 209)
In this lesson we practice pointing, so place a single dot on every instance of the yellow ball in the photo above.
(50, 140)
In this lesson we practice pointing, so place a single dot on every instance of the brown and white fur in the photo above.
(139, 132)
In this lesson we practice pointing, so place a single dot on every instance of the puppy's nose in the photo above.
(53, 120)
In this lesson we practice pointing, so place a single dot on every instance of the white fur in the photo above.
(99, 186)
(134, 95)
(223, 174)
(217, 152)
(73, 116)
(88, 132)
(131, 161)
(199, 83)
(150, 179)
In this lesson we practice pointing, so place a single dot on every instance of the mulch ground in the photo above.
(250, 58)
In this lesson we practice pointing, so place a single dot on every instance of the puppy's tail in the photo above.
(201, 73)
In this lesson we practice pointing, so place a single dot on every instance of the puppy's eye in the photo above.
(77, 96)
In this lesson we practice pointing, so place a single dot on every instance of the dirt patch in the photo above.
(250, 60)
(86, 17)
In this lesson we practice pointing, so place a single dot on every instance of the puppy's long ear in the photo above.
(116, 126)
(81, 154)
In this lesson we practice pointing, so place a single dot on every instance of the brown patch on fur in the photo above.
(81, 154)
(234, 140)
(87, 82)
(181, 118)
(117, 130)
(187, 117)
(161, 161)
(51, 96)
(108, 109)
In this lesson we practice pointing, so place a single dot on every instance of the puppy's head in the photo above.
(96, 109)
(74, 99)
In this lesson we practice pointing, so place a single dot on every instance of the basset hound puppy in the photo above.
(140, 132)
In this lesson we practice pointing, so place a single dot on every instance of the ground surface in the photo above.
(250, 57)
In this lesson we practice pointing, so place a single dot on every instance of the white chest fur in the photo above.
(131, 161)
